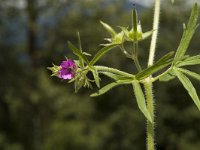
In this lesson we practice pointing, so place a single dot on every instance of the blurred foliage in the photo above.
(38, 112)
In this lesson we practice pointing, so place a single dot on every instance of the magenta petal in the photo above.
(68, 76)
(68, 69)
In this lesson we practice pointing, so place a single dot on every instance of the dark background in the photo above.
(38, 112)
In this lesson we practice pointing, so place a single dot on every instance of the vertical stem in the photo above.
(148, 85)
(150, 106)
(155, 33)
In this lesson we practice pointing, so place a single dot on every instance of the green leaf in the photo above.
(194, 60)
(96, 76)
(81, 62)
(100, 53)
(109, 87)
(188, 86)
(160, 64)
(189, 58)
(141, 100)
(167, 77)
(109, 28)
(115, 76)
(188, 32)
(78, 53)
(114, 71)
(189, 63)
(190, 73)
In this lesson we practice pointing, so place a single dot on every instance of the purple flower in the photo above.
(68, 69)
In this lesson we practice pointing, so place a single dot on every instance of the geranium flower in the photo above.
(68, 69)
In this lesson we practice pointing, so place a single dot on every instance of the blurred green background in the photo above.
(38, 112)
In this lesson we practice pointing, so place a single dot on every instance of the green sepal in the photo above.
(147, 34)
(110, 86)
(141, 100)
(160, 64)
(187, 84)
(81, 81)
(109, 29)
(116, 40)
(133, 36)
(78, 83)
(54, 70)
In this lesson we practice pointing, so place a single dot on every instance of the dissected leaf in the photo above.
(194, 60)
(100, 53)
(115, 71)
(110, 86)
(190, 73)
(114, 76)
(141, 99)
(160, 64)
(189, 58)
(188, 86)
(77, 52)
(188, 32)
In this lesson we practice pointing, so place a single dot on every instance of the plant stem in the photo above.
(135, 56)
(148, 84)
(162, 74)
(124, 51)
(155, 33)
(150, 106)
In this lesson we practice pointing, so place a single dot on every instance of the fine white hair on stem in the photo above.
(155, 33)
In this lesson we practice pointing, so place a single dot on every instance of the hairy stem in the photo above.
(150, 106)
(155, 33)
(148, 85)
